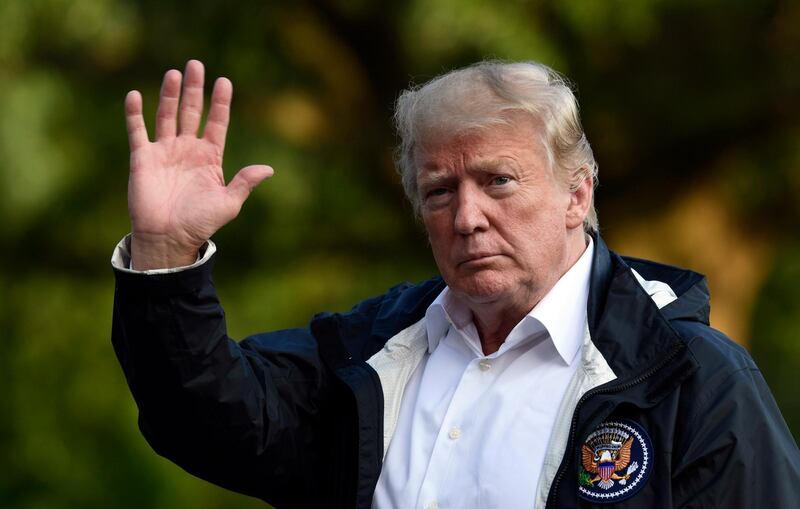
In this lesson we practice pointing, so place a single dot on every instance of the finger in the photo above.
(167, 116)
(134, 121)
(219, 113)
(191, 108)
(247, 178)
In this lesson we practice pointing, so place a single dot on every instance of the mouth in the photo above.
(478, 259)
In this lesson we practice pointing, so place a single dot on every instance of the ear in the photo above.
(579, 202)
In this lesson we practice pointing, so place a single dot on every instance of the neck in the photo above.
(494, 326)
(495, 320)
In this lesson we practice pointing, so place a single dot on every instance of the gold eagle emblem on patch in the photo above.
(608, 459)
(616, 460)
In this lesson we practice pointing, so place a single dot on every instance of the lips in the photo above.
(477, 258)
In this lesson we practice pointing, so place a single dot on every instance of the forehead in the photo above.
(520, 141)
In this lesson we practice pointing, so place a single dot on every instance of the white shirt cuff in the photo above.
(121, 259)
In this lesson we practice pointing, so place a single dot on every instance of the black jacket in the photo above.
(294, 417)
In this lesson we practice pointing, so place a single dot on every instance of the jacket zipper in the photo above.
(606, 390)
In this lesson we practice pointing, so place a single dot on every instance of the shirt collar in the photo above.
(443, 312)
(561, 312)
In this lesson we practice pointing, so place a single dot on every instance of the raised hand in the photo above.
(177, 197)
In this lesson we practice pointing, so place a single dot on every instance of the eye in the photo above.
(501, 180)
(436, 197)
(439, 191)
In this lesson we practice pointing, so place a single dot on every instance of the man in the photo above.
(540, 370)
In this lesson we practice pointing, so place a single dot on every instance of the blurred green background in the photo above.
(691, 106)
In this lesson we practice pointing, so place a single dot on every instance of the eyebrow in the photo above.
(434, 175)
(487, 166)
(435, 178)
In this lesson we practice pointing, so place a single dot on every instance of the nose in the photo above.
(470, 216)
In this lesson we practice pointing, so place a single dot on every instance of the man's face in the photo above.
(498, 221)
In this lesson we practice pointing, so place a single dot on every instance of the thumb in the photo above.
(246, 179)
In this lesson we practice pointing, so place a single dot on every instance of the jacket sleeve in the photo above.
(740, 452)
(241, 415)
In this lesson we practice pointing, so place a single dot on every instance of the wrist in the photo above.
(150, 252)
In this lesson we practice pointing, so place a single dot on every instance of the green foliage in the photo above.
(584, 478)
(776, 320)
(672, 94)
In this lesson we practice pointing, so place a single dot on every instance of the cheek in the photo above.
(533, 232)
(438, 230)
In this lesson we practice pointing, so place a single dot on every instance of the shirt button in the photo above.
(455, 433)
(485, 365)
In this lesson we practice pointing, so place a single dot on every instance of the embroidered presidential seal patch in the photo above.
(616, 460)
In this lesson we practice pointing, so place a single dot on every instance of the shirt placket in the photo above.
(456, 436)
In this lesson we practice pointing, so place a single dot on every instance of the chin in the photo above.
(482, 287)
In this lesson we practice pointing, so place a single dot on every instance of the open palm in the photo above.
(177, 197)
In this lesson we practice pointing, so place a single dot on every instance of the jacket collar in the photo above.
(629, 330)
(626, 326)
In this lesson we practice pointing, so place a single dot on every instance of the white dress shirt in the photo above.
(473, 429)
